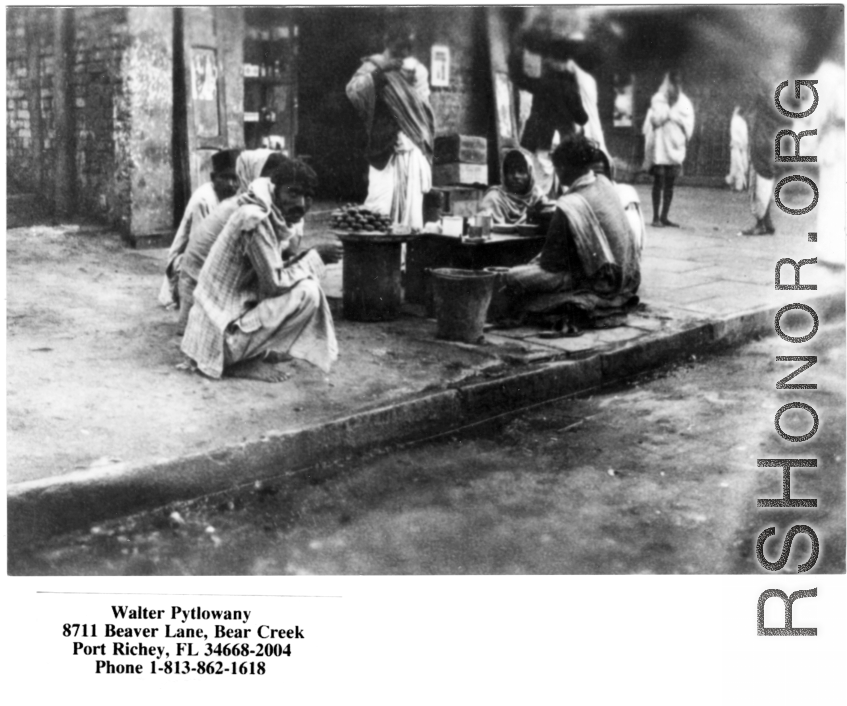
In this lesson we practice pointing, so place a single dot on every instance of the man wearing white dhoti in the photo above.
(390, 91)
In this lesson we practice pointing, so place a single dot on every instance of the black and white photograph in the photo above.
(309, 293)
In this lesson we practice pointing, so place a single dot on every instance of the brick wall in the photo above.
(97, 102)
(120, 109)
(29, 96)
(466, 105)
(101, 114)
(18, 129)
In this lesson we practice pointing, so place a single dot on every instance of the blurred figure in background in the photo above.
(557, 110)
(390, 91)
(668, 127)
(593, 128)
(829, 120)
(764, 123)
(738, 160)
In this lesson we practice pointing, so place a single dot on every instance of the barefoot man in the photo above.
(255, 303)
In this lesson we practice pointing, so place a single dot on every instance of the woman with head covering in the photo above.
(518, 195)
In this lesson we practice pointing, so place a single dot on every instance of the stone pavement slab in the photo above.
(589, 341)
(670, 264)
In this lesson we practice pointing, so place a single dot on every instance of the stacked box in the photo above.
(460, 159)
(460, 174)
(467, 149)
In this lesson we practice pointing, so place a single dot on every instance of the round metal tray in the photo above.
(363, 236)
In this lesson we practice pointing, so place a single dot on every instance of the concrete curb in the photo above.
(75, 500)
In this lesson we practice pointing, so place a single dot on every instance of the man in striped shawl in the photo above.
(256, 303)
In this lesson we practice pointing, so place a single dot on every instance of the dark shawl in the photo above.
(387, 103)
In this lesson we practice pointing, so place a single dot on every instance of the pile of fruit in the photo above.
(358, 219)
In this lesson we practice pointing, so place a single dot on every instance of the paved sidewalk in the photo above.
(102, 422)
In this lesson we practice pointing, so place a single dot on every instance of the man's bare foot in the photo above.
(257, 370)
(187, 364)
(273, 357)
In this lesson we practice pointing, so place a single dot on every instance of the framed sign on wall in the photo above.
(439, 74)
(205, 91)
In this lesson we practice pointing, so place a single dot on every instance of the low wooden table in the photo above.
(429, 251)
(371, 276)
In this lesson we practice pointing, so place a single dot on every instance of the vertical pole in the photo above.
(33, 50)
(64, 167)
(179, 152)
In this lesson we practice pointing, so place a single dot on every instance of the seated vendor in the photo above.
(590, 258)
(518, 198)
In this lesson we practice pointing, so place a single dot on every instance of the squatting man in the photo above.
(258, 301)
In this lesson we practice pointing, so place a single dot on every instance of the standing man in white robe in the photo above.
(390, 91)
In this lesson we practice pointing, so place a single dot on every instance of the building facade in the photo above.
(113, 113)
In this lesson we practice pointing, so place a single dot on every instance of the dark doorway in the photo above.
(331, 136)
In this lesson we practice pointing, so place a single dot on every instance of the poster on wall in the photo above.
(439, 74)
(204, 91)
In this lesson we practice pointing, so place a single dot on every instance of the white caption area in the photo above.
(413, 640)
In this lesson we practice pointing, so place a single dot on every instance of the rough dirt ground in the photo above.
(656, 476)
(91, 364)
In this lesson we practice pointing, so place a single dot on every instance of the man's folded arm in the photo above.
(274, 276)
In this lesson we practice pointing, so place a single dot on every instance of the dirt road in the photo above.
(657, 476)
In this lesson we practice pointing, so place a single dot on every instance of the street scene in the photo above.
(485, 291)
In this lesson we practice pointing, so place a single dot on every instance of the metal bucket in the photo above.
(461, 303)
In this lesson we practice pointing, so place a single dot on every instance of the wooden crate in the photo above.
(467, 149)
(459, 173)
